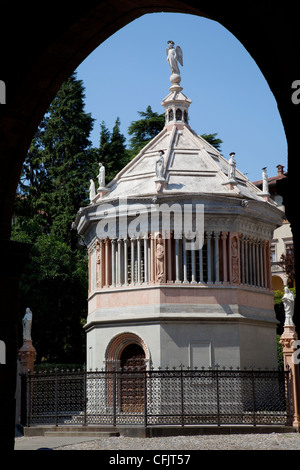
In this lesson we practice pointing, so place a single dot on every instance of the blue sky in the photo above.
(229, 94)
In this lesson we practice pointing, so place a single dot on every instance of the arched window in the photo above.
(178, 115)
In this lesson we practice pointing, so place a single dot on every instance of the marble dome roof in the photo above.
(191, 165)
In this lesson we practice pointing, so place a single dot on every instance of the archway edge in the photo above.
(35, 70)
(120, 341)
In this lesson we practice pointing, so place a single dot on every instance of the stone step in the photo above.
(96, 434)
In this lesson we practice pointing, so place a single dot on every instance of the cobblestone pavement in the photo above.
(273, 441)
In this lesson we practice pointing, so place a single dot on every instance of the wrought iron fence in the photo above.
(157, 397)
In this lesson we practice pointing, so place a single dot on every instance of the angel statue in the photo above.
(174, 56)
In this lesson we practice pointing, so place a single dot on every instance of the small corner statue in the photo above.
(159, 166)
(173, 57)
(101, 176)
(27, 322)
(288, 300)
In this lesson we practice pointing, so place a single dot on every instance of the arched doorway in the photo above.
(126, 347)
(133, 358)
(132, 382)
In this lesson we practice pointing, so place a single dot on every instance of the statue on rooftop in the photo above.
(232, 164)
(265, 185)
(159, 166)
(101, 176)
(92, 190)
(173, 57)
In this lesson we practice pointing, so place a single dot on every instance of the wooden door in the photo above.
(132, 379)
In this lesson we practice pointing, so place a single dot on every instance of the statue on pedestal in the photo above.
(173, 57)
(288, 303)
(27, 323)
(101, 176)
(232, 164)
(92, 190)
(160, 166)
(27, 353)
(265, 184)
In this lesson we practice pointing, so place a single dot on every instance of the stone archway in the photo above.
(128, 354)
(117, 348)
(51, 43)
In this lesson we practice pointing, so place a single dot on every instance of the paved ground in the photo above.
(273, 441)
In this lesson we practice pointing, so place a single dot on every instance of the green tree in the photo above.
(213, 140)
(112, 151)
(143, 130)
(54, 184)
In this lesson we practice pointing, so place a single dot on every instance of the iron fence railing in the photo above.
(157, 397)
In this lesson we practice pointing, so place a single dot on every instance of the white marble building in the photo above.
(152, 300)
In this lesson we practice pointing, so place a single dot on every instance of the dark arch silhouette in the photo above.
(40, 47)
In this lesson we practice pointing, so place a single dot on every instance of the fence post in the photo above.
(182, 396)
(85, 399)
(218, 393)
(145, 398)
(56, 397)
(253, 397)
(288, 341)
(115, 396)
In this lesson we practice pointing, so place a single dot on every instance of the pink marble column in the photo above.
(289, 346)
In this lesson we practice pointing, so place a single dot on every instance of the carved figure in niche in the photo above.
(234, 261)
(288, 303)
(98, 264)
(27, 323)
(160, 257)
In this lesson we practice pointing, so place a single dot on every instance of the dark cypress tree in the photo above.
(54, 185)
(112, 151)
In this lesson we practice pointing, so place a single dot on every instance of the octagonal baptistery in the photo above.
(156, 298)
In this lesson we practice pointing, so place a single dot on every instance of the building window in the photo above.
(273, 253)
(178, 115)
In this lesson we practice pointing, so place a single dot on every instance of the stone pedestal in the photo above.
(13, 257)
(26, 356)
(289, 346)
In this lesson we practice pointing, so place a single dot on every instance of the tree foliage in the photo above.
(54, 184)
(143, 130)
(287, 263)
(150, 124)
(112, 151)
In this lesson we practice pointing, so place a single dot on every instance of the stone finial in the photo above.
(265, 185)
